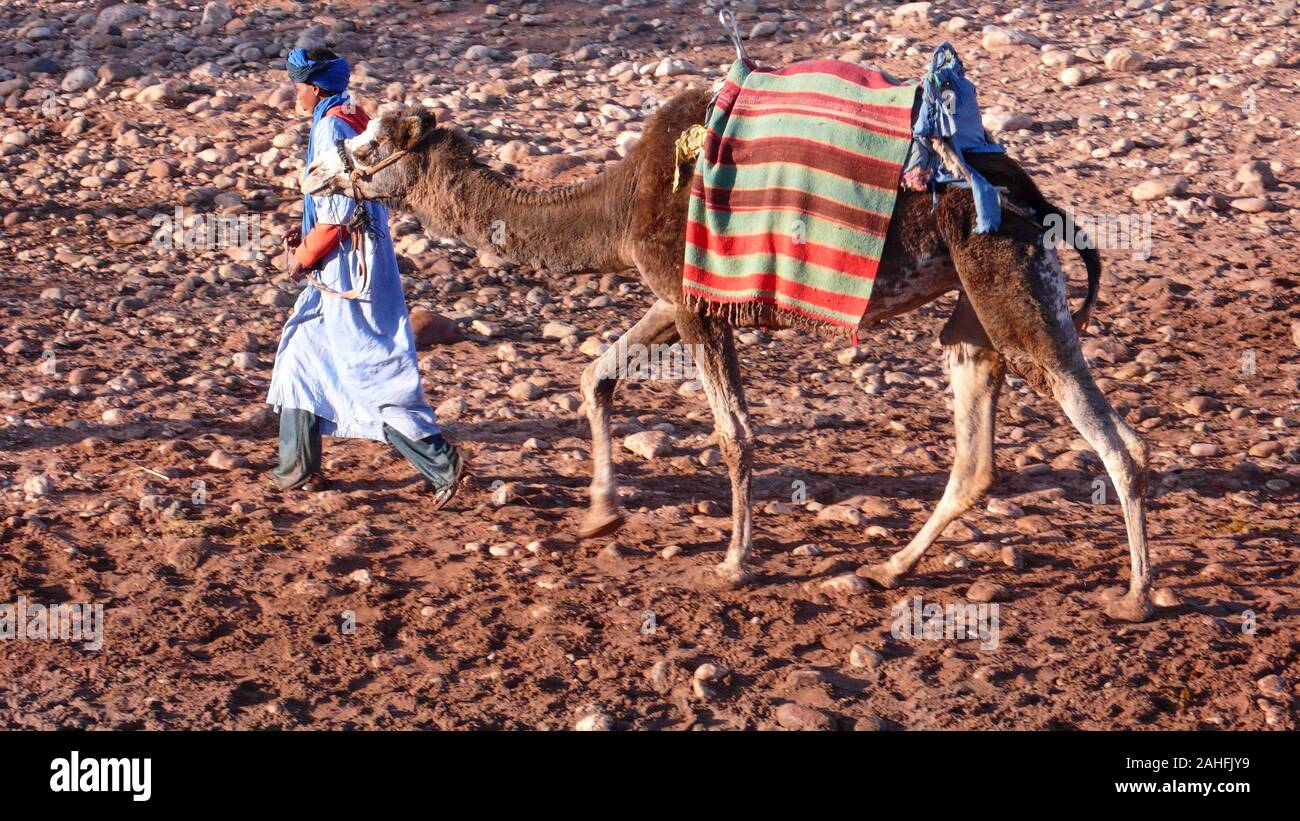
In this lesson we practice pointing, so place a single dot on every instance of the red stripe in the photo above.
(866, 77)
(802, 312)
(902, 132)
(890, 120)
(771, 283)
(772, 243)
(776, 198)
(898, 115)
(816, 155)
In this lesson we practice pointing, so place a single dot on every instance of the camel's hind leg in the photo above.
(714, 354)
(598, 383)
(1018, 292)
(975, 373)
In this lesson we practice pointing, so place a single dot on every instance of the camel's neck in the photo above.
(574, 228)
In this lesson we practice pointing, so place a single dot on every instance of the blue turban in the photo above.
(327, 75)
(330, 76)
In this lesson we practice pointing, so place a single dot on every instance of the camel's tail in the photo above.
(1001, 170)
(1091, 261)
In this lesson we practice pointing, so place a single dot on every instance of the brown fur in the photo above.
(1012, 309)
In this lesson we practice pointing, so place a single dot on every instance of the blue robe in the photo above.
(352, 362)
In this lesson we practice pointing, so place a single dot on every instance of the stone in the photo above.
(215, 15)
(1202, 405)
(221, 460)
(1124, 59)
(863, 656)
(711, 672)
(996, 38)
(481, 53)
(594, 721)
(841, 514)
(986, 590)
(1158, 189)
(79, 79)
(793, 716)
(1000, 121)
(558, 330)
(524, 391)
(1251, 205)
(431, 329)
(847, 583)
(1075, 76)
(119, 15)
(649, 444)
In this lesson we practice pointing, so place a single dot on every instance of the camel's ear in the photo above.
(410, 130)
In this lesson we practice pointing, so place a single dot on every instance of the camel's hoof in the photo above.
(1130, 608)
(706, 577)
(880, 574)
(594, 526)
(732, 575)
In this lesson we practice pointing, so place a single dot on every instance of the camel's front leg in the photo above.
(714, 354)
(598, 383)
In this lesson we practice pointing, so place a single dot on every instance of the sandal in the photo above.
(444, 494)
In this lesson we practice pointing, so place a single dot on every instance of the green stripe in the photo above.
(801, 178)
(819, 129)
(817, 231)
(828, 132)
(831, 86)
(792, 270)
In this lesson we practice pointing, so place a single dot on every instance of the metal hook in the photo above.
(728, 21)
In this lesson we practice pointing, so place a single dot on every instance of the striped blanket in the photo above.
(792, 194)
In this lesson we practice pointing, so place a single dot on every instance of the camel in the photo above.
(1011, 312)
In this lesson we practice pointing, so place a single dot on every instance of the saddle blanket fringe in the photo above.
(793, 192)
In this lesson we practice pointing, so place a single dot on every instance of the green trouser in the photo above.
(300, 451)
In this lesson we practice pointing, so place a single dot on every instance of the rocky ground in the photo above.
(133, 438)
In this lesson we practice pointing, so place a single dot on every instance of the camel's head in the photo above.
(391, 137)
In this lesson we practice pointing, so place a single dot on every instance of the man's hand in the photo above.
(294, 237)
(287, 261)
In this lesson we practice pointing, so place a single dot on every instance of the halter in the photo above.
(362, 224)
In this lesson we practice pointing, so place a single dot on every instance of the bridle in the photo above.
(361, 224)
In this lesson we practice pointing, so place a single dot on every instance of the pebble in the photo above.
(221, 460)
(1158, 189)
(986, 590)
(711, 672)
(863, 656)
(79, 79)
(793, 716)
(848, 583)
(1124, 59)
(594, 721)
(649, 444)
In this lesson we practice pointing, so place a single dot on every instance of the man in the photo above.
(346, 365)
